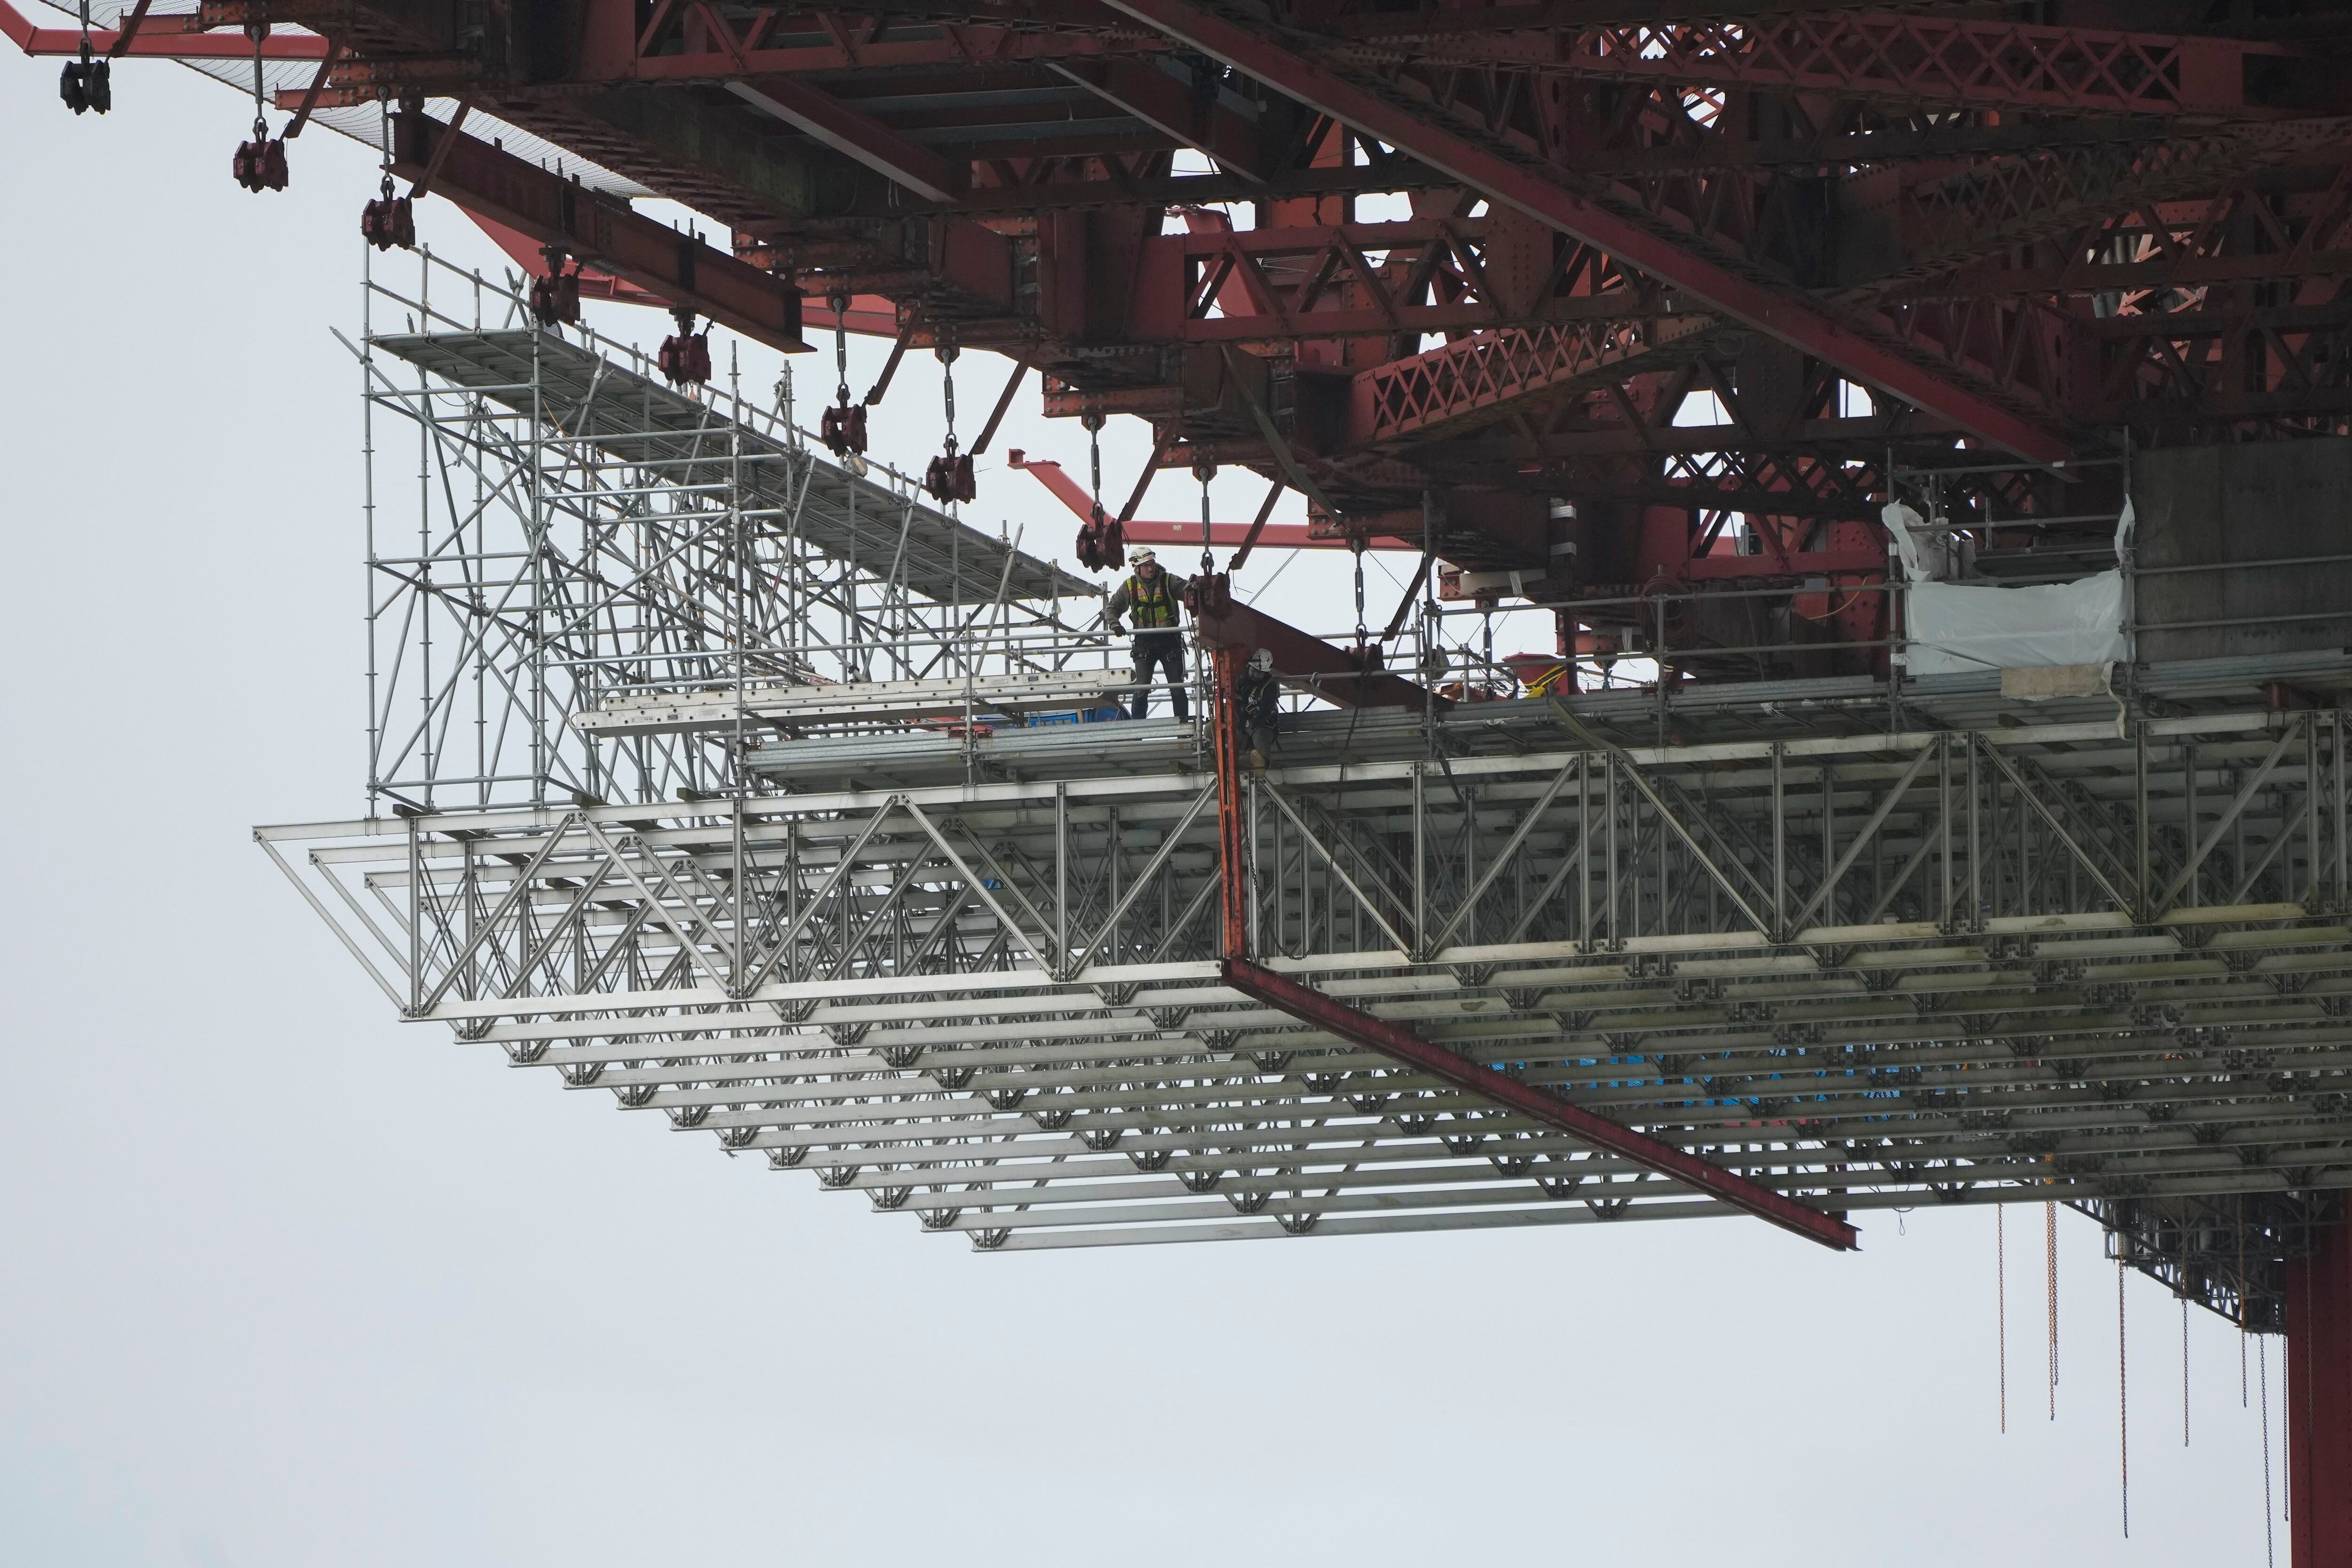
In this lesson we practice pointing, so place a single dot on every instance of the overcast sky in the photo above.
(284, 1282)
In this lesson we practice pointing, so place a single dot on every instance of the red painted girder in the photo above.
(1308, 662)
(614, 50)
(159, 37)
(2320, 1401)
(1538, 1104)
(861, 137)
(1895, 56)
(1780, 314)
(1273, 536)
(551, 210)
(1479, 379)
(528, 254)
(1149, 94)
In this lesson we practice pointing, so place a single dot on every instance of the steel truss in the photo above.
(1862, 948)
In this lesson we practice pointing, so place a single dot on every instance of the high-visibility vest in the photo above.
(1150, 604)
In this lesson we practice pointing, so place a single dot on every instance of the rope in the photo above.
(2000, 1289)
(2270, 1546)
(2050, 1288)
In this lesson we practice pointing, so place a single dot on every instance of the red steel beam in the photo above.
(551, 210)
(1704, 284)
(158, 38)
(2320, 1401)
(857, 136)
(1274, 536)
(1891, 56)
(1152, 95)
(1536, 1103)
(1307, 662)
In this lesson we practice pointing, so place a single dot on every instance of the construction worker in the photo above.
(1254, 691)
(1154, 598)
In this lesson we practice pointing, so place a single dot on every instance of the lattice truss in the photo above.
(1867, 958)
(552, 530)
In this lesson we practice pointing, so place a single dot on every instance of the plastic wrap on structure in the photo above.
(1952, 627)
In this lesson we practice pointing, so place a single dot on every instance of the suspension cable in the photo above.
(2270, 1546)
(2123, 1393)
(2050, 1288)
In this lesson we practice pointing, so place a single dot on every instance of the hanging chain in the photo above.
(2000, 1292)
(2184, 1372)
(2123, 1393)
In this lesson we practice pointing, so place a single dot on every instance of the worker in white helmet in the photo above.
(1154, 597)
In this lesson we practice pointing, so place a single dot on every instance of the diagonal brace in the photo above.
(1539, 1104)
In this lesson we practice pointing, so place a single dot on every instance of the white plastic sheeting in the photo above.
(1952, 627)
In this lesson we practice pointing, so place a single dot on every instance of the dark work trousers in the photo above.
(1165, 650)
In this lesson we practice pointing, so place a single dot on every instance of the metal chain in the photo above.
(2000, 1292)
(2123, 1393)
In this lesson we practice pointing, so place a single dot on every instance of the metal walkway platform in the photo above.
(1954, 948)
(633, 418)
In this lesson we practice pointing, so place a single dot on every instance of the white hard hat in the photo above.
(1143, 556)
(1262, 659)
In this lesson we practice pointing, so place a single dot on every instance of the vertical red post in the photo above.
(2320, 1401)
(1225, 729)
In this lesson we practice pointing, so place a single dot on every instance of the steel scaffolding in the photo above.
(1866, 954)
(550, 530)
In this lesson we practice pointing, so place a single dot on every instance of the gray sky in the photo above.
(284, 1282)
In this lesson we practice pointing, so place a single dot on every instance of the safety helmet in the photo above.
(1261, 661)
(1143, 558)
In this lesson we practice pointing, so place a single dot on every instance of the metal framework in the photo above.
(710, 788)
(572, 533)
(714, 768)
(1861, 962)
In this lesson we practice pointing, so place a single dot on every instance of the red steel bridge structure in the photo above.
(1572, 294)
